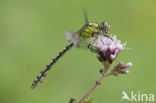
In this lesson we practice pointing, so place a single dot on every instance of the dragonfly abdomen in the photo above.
(43, 73)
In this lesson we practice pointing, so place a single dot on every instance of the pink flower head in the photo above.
(120, 68)
(108, 47)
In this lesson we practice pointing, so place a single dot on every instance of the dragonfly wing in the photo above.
(84, 42)
(73, 37)
(77, 40)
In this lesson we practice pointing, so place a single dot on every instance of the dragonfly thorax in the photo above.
(89, 30)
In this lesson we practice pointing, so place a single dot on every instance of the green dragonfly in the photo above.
(89, 30)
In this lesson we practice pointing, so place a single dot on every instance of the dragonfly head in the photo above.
(104, 26)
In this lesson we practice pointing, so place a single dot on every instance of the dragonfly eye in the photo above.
(104, 25)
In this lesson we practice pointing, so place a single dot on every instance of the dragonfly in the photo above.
(88, 30)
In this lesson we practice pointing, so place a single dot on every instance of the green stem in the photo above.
(98, 82)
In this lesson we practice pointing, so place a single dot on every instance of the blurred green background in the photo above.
(32, 33)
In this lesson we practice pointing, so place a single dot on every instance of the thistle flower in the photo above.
(120, 68)
(108, 48)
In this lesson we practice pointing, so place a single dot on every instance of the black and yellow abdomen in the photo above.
(43, 73)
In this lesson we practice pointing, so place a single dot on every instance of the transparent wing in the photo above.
(73, 37)
(76, 39)
(84, 43)
(79, 41)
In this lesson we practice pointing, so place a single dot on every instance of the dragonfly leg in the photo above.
(92, 49)
(108, 36)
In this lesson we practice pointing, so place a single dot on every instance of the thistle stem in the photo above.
(98, 82)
